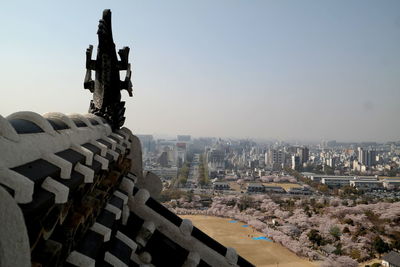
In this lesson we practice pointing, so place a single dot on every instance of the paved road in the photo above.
(194, 171)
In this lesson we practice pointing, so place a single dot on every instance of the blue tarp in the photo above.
(262, 238)
(233, 221)
(245, 225)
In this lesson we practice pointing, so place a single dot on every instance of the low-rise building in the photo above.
(337, 181)
(308, 174)
(299, 191)
(274, 189)
(391, 184)
(319, 178)
(366, 184)
(367, 178)
(221, 186)
(392, 259)
(230, 178)
(255, 188)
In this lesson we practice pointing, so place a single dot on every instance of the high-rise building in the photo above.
(371, 158)
(295, 162)
(184, 138)
(332, 161)
(275, 158)
(216, 159)
(147, 142)
(362, 155)
(304, 154)
(181, 153)
(367, 157)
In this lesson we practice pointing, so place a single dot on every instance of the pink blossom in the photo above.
(342, 261)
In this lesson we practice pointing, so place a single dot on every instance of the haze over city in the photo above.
(304, 70)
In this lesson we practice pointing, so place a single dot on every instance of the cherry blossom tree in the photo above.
(342, 261)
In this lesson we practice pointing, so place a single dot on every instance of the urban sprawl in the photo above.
(217, 164)
(338, 203)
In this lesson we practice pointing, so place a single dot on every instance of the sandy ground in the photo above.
(370, 262)
(235, 186)
(259, 252)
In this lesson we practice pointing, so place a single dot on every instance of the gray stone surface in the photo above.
(14, 242)
(152, 183)
(147, 180)
(136, 156)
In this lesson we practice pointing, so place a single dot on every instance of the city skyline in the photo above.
(171, 136)
(274, 70)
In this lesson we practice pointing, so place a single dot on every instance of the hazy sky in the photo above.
(306, 70)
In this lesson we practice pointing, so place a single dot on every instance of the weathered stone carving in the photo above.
(107, 85)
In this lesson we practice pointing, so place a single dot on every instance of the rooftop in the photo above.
(392, 257)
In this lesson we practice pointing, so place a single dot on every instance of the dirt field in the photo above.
(235, 186)
(262, 253)
(370, 262)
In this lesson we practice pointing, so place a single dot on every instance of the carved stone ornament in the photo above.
(107, 85)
